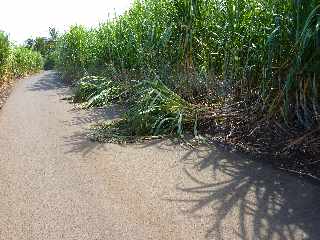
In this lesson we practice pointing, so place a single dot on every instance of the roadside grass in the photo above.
(94, 91)
(16, 61)
(205, 52)
(238, 67)
(152, 110)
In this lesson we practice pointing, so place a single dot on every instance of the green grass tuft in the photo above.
(157, 110)
(97, 91)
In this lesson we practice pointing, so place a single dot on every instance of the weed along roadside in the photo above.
(244, 73)
(15, 62)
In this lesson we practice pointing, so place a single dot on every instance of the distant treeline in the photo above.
(45, 46)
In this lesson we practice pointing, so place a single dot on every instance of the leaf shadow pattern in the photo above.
(80, 142)
(262, 202)
(48, 81)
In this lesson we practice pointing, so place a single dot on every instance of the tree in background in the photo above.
(29, 43)
(53, 34)
(45, 46)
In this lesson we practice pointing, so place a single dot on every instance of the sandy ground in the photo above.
(56, 184)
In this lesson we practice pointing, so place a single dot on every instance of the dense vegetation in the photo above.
(45, 46)
(17, 61)
(241, 66)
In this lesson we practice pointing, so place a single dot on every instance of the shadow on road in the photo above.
(50, 80)
(79, 142)
(275, 204)
(270, 204)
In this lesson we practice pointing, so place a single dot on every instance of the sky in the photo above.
(23, 19)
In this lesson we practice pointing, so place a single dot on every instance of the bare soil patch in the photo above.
(5, 90)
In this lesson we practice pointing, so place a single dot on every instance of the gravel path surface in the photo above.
(56, 184)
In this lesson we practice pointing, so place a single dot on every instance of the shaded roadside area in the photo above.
(267, 203)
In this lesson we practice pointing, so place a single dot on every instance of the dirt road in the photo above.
(55, 184)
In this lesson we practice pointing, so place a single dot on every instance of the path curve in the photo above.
(55, 184)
